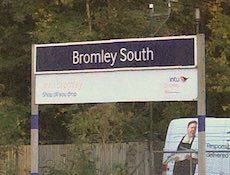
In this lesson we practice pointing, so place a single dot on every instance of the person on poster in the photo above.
(186, 163)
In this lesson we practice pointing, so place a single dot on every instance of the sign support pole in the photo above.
(34, 122)
(201, 105)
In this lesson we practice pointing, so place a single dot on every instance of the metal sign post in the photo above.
(34, 122)
(201, 105)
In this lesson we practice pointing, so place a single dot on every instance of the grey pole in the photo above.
(201, 104)
(152, 166)
(34, 121)
(151, 7)
(197, 18)
(201, 101)
(151, 158)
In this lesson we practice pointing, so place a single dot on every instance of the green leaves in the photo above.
(13, 122)
(26, 22)
(101, 123)
(218, 57)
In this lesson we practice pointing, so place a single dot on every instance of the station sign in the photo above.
(125, 70)
(110, 55)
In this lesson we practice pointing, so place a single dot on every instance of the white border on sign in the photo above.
(114, 41)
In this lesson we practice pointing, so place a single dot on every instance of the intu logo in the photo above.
(178, 79)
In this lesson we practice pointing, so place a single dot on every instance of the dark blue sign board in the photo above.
(170, 52)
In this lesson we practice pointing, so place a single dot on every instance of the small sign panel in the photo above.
(125, 86)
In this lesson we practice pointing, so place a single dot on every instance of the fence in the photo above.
(133, 158)
(104, 159)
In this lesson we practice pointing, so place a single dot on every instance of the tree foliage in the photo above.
(25, 22)
(13, 122)
(100, 123)
(218, 62)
